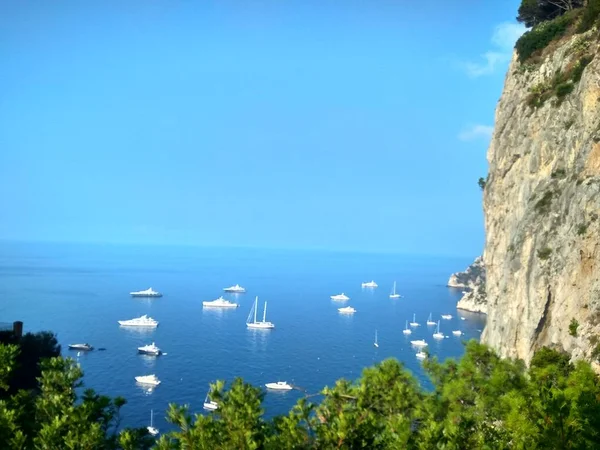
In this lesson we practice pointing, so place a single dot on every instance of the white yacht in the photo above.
(430, 321)
(153, 431)
(394, 294)
(148, 379)
(421, 355)
(264, 325)
(147, 293)
(237, 289)
(340, 297)
(220, 303)
(81, 347)
(279, 386)
(457, 333)
(406, 329)
(150, 349)
(447, 316)
(347, 310)
(419, 343)
(414, 323)
(209, 404)
(142, 321)
(369, 284)
(437, 334)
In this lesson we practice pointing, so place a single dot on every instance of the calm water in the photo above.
(80, 291)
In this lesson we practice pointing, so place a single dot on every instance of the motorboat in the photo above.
(148, 379)
(81, 347)
(369, 284)
(237, 289)
(421, 355)
(151, 429)
(430, 320)
(446, 316)
(220, 303)
(437, 334)
(414, 322)
(150, 349)
(419, 343)
(142, 321)
(279, 386)
(347, 310)
(146, 293)
(340, 297)
(263, 325)
(406, 329)
(457, 333)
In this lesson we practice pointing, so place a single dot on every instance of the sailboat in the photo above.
(429, 321)
(153, 431)
(263, 325)
(406, 329)
(437, 334)
(376, 344)
(393, 294)
(414, 323)
(209, 404)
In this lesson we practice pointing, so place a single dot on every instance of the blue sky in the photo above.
(298, 124)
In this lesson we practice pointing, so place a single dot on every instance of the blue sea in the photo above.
(81, 291)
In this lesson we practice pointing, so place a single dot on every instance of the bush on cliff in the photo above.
(542, 34)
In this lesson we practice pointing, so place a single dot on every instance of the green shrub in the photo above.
(544, 253)
(573, 327)
(541, 35)
(590, 17)
(564, 89)
(543, 204)
(580, 67)
(581, 229)
(481, 182)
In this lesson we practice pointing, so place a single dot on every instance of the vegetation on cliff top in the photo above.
(479, 401)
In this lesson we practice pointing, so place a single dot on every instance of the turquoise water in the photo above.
(80, 291)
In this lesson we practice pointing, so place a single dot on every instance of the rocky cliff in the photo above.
(542, 205)
(472, 283)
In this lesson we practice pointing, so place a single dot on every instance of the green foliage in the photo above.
(590, 17)
(542, 34)
(580, 67)
(481, 182)
(543, 205)
(564, 89)
(573, 327)
(544, 253)
(582, 229)
(533, 12)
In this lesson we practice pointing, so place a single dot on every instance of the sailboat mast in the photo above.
(394, 288)
(151, 417)
(265, 313)
(255, 308)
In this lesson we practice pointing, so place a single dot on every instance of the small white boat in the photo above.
(421, 355)
(220, 303)
(148, 379)
(263, 325)
(150, 349)
(419, 343)
(446, 316)
(430, 321)
(340, 297)
(209, 404)
(369, 284)
(142, 321)
(457, 333)
(347, 310)
(437, 334)
(279, 386)
(462, 318)
(414, 323)
(376, 344)
(146, 293)
(237, 289)
(153, 431)
(81, 347)
(393, 294)
(406, 329)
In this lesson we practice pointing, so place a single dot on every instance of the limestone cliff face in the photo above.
(542, 207)
(472, 283)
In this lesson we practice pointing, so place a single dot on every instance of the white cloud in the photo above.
(474, 132)
(503, 40)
